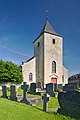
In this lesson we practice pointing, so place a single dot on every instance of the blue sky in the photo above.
(21, 21)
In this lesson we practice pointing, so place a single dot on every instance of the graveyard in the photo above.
(39, 60)
(21, 101)
(17, 111)
(22, 104)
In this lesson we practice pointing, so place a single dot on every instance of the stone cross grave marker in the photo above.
(13, 93)
(45, 99)
(24, 87)
(4, 92)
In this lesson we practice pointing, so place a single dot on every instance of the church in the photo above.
(46, 65)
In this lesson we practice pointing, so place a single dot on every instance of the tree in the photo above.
(10, 72)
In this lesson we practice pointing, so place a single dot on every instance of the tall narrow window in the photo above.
(53, 67)
(53, 41)
(38, 44)
(63, 78)
(30, 77)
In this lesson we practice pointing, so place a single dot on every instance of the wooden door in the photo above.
(54, 80)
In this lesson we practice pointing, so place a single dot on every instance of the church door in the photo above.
(54, 80)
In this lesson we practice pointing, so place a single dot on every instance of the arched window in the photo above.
(53, 67)
(30, 76)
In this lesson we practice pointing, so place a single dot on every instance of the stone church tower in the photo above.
(47, 64)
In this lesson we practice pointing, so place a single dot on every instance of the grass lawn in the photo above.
(53, 103)
(10, 110)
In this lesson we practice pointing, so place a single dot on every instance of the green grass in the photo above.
(53, 103)
(18, 111)
(10, 110)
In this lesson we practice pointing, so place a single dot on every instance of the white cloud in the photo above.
(14, 51)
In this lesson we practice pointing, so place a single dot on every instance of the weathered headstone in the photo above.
(68, 87)
(4, 92)
(13, 93)
(33, 88)
(45, 99)
(39, 85)
(69, 103)
(60, 86)
(76, 85)
(50, 88)
(24, 87)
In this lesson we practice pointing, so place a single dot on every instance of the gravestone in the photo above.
(60, 86)
(68, 87)
(13, 93)
(24, 87)
(76, 85)
(69, 103)
(45, 99)
(4, 92)
(39, 85)
(50, 88)
(33, 88)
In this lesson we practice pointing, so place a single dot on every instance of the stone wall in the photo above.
(53, 52)
(38, 53)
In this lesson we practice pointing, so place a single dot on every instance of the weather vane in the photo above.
(46, 14)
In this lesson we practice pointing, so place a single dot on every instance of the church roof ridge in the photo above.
(29, 59)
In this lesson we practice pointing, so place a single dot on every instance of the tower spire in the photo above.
(46, 14)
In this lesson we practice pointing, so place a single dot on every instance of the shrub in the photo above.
(10, 72)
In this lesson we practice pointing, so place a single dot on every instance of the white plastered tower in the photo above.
(47, 64)
(48, 48)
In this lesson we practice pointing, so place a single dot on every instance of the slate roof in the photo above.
(48, 28)
(30, 59)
